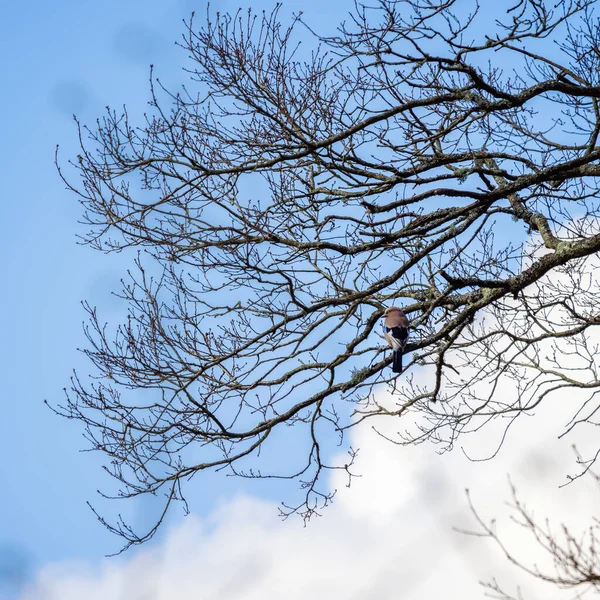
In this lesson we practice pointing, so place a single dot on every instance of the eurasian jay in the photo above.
(395, 326)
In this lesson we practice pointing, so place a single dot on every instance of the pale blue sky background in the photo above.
(57, 59)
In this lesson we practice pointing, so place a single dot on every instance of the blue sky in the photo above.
(58, 59)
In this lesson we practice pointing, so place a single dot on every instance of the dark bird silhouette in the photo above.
(395, 325)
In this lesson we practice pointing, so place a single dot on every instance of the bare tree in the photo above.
(573, 559)
(428, 154)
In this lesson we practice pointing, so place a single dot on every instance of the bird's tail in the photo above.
(397, 361)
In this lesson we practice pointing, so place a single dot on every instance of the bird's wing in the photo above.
(394, 342)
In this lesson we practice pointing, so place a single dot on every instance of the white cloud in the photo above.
(389, 536)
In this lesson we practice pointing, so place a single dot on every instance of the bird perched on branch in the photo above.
(395, 326)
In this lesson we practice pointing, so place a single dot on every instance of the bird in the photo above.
(395, 326)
